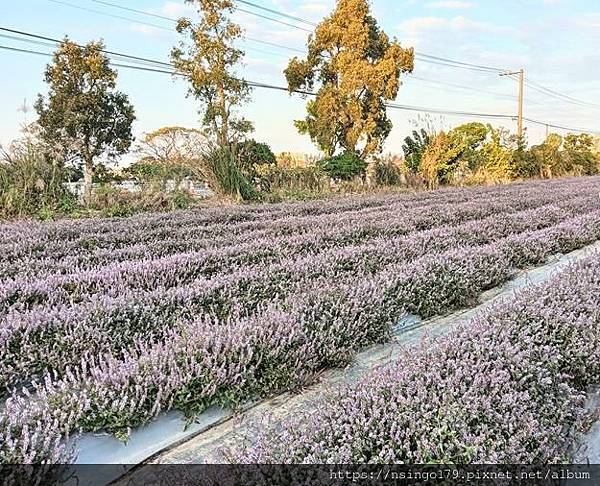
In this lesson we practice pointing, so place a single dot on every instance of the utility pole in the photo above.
(521, 74)
(521, 93)
(24, 108)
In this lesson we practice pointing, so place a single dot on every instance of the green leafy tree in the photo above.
(154, 174)
(579, 143)
(345, 166)
(171, 152)
(498, 163)
(547, 156)
(253, 154)
(414, 148)
(579, 156)
(105, 175)
(525, 163)
(440, 159)
(208, 60)
(447, 152)
(84, 114)
(470, 137)
(357, 69)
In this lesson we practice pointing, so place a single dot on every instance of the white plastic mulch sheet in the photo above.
(170, 429)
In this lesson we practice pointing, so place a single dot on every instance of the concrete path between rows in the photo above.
(210, 445)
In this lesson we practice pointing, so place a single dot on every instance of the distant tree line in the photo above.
(476, 153)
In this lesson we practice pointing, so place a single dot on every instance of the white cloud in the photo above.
(435, 30)
(451, 4)
(150, 31)
(176, 10)
(458, 23)
(590, 21)
(315, 8)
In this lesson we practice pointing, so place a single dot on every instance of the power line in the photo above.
(167, 64)
(556, 95)
(560, 127)
(565, 96)
(134, 10)
(276, 12)
(57, 41)
(49, 54)
(553, 95)
(173, 20)
(462, 86)
(273, 44)
(256, 84)
(27, 51)
(162, 27)
(465, 87)
(284, 89)
(106, 14)
(458, 63)
(457, 66)
(424, 56)
(439, 111)
(287, 24)
(135, 21)
(428, 58)
(29, 41)
(110, 4)
(560, 96)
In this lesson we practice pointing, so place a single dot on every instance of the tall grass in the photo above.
(310, 178)
(31, 184)
(386, 173)
(222, 169)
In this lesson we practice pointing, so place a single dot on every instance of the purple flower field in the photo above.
(505, 388)
(105, 324)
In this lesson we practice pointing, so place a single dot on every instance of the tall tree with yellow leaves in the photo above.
(208, 60)
(357, 69)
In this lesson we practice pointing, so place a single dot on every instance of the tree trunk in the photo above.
(88, 174)
(224, 136)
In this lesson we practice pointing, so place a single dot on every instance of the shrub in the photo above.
(253, 154)
(155, 174)
(579, 156)
(344, 167)
(414, 148)
(557, 156)
(292, 180)
(526, 164)
(294, 160)
(472, 152)
(386, 173)
(495, 162)
(440, 159)
(115, 202)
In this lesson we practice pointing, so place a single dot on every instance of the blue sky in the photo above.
(554, 40)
